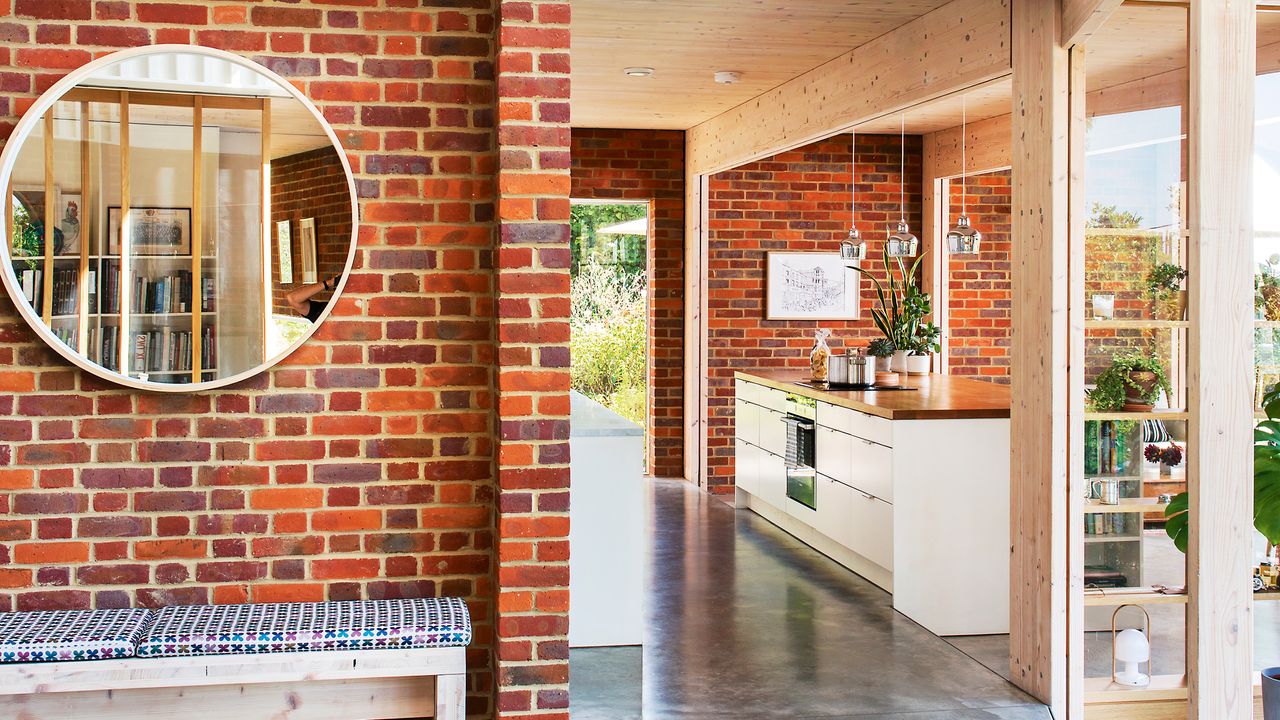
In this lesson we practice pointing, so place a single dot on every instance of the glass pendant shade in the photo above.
(901, 243)
(964, 239)
(853, 250)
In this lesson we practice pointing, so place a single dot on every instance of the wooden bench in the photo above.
(322, 683)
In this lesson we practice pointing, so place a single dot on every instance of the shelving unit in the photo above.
(106, 323)
(1136, 324)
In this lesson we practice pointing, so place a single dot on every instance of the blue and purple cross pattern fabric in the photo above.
(307, 627)
(58, 635)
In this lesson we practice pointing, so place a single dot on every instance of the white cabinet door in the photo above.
(773, 432)
(746, 421)
(871, 469)
(871, 529)
(834, 454)
(746, 463)
(772, 480)
(772, 399)
(835, 503)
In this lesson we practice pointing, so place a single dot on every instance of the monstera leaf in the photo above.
(1266, 480)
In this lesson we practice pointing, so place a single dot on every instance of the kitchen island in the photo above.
(909, 488)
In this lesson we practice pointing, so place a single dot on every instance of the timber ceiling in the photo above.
(687, 41)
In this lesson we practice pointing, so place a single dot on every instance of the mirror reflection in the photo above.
(177, 218)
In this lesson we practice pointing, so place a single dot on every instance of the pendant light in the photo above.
(964, 239)
(853, 250)
(901, 242)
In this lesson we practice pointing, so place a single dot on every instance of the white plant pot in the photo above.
(918, 364)
(899, 364)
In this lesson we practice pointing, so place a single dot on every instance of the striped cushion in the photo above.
(304, 627)
(53, 635)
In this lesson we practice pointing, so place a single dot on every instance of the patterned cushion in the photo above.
(52, 635)
(299, 627)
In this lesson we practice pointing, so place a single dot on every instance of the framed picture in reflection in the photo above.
(152, 231)
(284, 250)
(307, 241)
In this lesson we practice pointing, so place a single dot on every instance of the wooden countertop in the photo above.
(938, 397)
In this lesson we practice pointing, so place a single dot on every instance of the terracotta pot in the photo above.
(1135, 399)
(1171, 306)
(1270, 302)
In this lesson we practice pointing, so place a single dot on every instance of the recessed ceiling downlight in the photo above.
(728, 77)
(640, 72)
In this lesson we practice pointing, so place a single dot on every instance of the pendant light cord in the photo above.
(964, 157)
(853, 180)
(902, 166)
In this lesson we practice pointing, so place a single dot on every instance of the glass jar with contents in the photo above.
(819, 356)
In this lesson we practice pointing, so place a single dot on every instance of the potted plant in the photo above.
(923, 345)
(1164, 286)
(1266, 515)
(882, 350)
(1168, 457)
(903, 306)
(1132, 384)
(1266, 283)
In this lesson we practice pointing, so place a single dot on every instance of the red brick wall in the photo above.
(533, 260)
(980, 293)
(798, 200)
(649, 165)
(368, 463)
(309, 185)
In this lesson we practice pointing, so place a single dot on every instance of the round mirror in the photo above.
(178, 218)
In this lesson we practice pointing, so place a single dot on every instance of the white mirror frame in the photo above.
(22, 132)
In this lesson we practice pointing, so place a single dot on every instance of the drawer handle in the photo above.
(867, 496)
(867, 442)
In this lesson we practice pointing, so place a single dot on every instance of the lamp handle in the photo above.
(1146, 630)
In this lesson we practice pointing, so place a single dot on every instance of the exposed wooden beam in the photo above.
(988, 147)
(1039, 354)
(1220, 353)
(880, 77)
(1080, 18)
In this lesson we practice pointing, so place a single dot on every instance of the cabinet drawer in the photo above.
(746, 421)
(871, 529)
(871, 469)
(746, 391)
(868, 427)
(772, 399)
(773, 432)
(772, 480)
(746, 464)
(835, 502)
(834, 454)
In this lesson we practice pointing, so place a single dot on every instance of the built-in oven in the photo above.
(802, 477)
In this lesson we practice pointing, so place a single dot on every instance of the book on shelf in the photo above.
(107, 342)
(168, 294)
(67, 336)
(33, 287)
(208, 296)
(162, 351)
(66, 284)
(110, 288)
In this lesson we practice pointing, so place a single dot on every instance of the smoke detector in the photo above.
(728, 77)
(638, 72)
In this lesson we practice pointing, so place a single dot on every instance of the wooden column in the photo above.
(50, 222)
(1220, 354)
(126, 263)
(695, 332)
(265, 192)
(1076, 219)
(86, 232)
(197, 232)
(1039, 354)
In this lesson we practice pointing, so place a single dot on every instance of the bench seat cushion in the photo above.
(304, 627)
(56, 635)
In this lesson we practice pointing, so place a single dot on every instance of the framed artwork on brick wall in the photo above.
(284, 241)
(809, 286)
(307, 240)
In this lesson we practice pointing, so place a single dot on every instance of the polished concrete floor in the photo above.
(743, 621)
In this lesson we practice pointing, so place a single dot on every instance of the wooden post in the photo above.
(1220, 354)
(1076, 219)
(695, 333)
(265, 192)
(86, 232)
(50, 223)
(197, 232)
(125, 341)
(1039, 412)
(451, 697)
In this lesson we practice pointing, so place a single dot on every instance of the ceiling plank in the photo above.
(883, 76)
(1080, 18)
